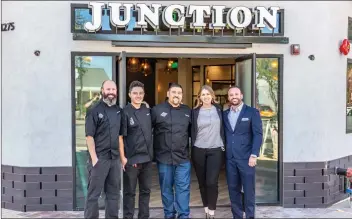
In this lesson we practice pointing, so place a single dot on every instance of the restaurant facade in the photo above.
(291, 59)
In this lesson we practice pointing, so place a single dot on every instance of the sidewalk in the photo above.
(262, 212)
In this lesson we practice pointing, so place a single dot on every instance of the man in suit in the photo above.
(243, 133)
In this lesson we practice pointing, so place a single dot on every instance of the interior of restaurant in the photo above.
(192, 73)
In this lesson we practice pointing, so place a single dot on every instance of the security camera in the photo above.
(37, 53)
(311, 57)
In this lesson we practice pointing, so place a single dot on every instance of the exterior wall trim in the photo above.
(314, 184)
(37, 188)
(179, 39)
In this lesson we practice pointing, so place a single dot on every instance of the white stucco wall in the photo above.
(1, 92)
(37, 90)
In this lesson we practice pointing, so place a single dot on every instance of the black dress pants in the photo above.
(105, 174)
(207, 164)
(142, 173)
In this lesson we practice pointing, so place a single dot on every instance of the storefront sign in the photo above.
(236, 17)
(8, 26)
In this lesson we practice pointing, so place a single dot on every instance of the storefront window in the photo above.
(350, 28)
(349, 97)
(267, 84)
(90, 72)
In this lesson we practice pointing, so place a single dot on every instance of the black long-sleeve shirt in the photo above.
(171, 133)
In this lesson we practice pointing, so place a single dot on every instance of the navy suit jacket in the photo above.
(247, 137)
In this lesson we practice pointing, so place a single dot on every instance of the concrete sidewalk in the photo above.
(262, 212)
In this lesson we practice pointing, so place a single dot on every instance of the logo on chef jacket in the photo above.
(163, 114)
(131, 121)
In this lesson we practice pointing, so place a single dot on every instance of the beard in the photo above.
(110, 101)
(235, 103)
(175, 100)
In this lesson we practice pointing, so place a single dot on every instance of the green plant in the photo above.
(267, 73)
(81, 63)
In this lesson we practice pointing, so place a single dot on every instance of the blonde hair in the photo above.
(210, 90)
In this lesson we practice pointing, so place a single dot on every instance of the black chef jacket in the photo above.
(137, 132)
(171, 133)
(103, 124)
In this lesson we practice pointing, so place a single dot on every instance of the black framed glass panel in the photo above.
(349, 97)
(350, 28)
(90, 72)
(267, 102)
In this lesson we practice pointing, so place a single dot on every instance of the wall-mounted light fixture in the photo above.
(345, 47)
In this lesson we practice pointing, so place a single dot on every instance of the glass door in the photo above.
(245, 77)
(258, 80)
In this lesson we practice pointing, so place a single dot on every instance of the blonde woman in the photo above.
(207, 147)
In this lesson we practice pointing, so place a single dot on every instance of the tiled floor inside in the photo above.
(261, 212)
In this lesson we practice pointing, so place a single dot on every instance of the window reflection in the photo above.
(90, 72)
(350, 28)
(349, 97)
(83, 15)
(267, 85)
(277, 29)
(267, 103)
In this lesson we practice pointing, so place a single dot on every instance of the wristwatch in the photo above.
(253, 155)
